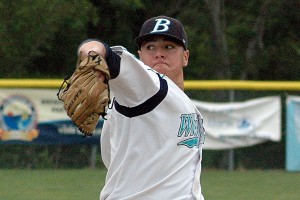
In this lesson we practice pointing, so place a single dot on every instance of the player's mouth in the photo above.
(160, 64)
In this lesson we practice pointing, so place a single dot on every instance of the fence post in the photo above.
(93, 157)
(231, 151)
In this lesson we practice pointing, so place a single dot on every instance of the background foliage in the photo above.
(249, 40)
(257, 40)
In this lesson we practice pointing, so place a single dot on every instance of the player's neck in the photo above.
(181, 86)
(180, 82)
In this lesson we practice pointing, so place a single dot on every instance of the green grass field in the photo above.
(86, 184)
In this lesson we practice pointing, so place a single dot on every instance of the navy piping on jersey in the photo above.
(146, 106)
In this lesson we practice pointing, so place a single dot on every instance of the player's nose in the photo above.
(159, 53)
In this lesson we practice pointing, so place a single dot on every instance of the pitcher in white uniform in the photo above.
(151, 142)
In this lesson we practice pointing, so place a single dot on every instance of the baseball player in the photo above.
(151, 142)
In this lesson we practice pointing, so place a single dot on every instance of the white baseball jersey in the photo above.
(151, 141)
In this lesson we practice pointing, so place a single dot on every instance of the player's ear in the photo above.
(186, 55)
(139, 52)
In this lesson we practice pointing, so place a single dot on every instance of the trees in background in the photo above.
(256, 40)
(39, 38)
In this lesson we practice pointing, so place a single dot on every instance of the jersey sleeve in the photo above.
(132, 83)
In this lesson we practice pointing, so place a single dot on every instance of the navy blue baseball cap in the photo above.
(163, 25)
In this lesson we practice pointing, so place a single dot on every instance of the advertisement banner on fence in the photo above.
(293, 133)
(241, 124)
(36, 116)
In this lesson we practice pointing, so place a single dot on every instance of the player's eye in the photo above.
(169, 46)
(149, 47)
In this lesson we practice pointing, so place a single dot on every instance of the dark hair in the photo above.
(152, 38)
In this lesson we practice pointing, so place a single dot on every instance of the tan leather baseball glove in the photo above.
(86, 96)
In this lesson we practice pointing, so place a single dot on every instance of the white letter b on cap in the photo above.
(161, 25)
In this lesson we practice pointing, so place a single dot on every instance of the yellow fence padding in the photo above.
(188, 84)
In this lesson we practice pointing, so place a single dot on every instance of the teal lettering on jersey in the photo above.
(191, 130)
(190, 143)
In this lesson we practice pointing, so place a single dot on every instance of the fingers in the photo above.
(100, 75)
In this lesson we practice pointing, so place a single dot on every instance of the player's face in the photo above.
(165, 56)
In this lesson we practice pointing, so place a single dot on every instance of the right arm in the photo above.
(132, 82)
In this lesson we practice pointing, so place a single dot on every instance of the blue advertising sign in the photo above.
(293, 134)
(36, 116)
